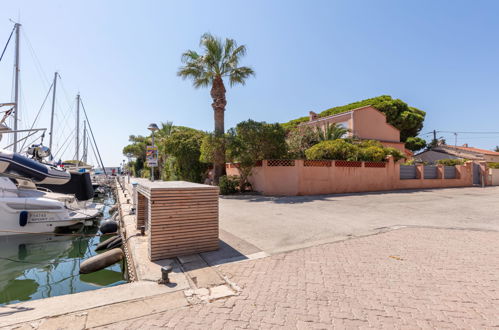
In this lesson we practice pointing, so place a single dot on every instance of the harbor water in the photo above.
(42, 266)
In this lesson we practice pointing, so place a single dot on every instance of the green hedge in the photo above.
(493, 165)
(451, 162)
(344, 149)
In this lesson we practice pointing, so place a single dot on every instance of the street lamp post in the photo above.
(153, 128)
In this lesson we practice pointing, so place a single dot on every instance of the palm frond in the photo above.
(239, 75)
(218, 59)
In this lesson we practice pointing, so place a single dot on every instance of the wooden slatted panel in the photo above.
(183, 218)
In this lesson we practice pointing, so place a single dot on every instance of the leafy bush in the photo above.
(333, 149)
(415, 143)
(184, 146)
(450, 162)
(493, 165)
(228, 184)
(346, 149)
(251, 141)
(299, 140)
(372, 154)
(395, 153)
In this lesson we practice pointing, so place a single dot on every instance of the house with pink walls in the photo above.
(366, 123)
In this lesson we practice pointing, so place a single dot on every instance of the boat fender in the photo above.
(104, 245)
(101, 261)
(23, 218)
(116, 243)
(108, 226)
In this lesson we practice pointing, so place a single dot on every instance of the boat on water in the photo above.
(21, 214)
(25, 209)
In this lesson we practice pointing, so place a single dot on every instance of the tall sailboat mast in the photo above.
(17, 27)
(51, 133)
(78, 129)
(84, 157)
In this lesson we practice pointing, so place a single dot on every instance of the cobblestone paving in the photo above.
(408, 278)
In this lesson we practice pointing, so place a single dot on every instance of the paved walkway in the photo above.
(280, 224)
(407, 278)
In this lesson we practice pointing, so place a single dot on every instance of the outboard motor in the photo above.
(38, 152)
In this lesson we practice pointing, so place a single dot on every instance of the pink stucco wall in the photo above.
(371, 124)
(365, 123)
(313, 180)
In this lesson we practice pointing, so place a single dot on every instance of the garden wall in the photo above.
(307, 177)
(494, 176)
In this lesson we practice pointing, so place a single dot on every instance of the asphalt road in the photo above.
(277, 224)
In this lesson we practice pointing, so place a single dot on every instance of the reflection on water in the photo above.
(41, 266)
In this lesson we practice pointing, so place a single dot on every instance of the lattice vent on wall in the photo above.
(317, 163)
(374, 164)
(346, 163)
(280, 162)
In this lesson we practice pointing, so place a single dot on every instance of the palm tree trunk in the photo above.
(218, 95)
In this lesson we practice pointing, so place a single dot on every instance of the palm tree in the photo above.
(219, 60)
(331, 131)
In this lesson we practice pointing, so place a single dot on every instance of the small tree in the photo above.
(183, 146)
(299, 140)
(415, 143)
(496, 149)
(251, 141)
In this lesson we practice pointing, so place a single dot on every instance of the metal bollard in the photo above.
(165, 271)
(142, 230)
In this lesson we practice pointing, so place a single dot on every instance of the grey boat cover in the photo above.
(19, 165)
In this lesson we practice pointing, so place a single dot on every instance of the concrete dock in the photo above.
(192, 281)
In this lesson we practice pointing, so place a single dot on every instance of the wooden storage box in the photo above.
(180, 217)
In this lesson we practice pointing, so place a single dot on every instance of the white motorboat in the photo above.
(22, 214)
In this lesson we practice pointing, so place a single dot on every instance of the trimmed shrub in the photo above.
(450, 162)
(372, 154)
(395, 153)
(493, 165)
(334, 149)
(228, 184)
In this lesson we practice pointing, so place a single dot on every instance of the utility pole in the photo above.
(16, 85)
(84, 157)
(434, 135)
(78, 129)
(51, 133)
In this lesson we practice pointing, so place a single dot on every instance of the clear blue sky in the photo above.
(439, 56)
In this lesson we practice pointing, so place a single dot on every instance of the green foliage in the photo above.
(407, 119)
(333, 149)
(251, 141)
(415, 143)
(184, 145)
(218, 58)
(299, 140)
(210, 146)
(493, 165)
(294, 123)
(228, 184)
(372, 154)
(451, 162)
(331, 131)
(395, 153)
(344, 149)
(496, 149)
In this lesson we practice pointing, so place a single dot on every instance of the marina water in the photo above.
(42, 266)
